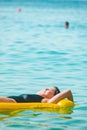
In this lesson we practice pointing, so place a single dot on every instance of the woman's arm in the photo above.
(65, 94)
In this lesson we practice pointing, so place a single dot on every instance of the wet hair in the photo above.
(57, 90)
(67, 23)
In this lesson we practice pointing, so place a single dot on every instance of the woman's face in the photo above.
(47, 92)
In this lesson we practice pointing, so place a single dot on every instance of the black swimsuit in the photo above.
(27, 98)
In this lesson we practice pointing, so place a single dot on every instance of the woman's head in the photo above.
(49, 92)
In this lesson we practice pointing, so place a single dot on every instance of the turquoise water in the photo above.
(36, 52)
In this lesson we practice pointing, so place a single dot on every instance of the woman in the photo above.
(48, 95)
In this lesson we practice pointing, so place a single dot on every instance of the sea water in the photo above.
(37, 52)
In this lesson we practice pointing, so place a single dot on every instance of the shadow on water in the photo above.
(62, 113)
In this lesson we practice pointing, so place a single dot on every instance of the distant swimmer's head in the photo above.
(66, 24)
(19, 9)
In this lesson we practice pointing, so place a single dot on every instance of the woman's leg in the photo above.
(5, 99)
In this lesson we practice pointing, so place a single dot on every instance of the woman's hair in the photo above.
(57, 90)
